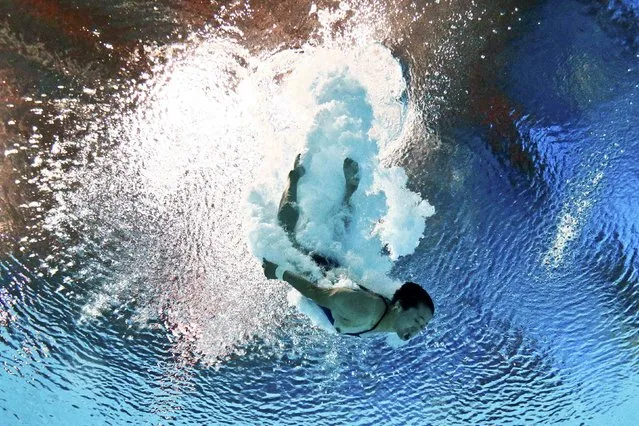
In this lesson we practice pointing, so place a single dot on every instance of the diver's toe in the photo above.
(297, 167)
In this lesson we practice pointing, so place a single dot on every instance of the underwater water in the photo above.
(146, 145)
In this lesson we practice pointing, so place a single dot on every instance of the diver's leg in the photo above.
(288, 212)
(351, 175)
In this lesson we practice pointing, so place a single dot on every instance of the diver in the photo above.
(353, 312)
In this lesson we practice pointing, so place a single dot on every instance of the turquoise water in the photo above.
(145, 145)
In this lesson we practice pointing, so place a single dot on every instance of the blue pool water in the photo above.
(141, 156)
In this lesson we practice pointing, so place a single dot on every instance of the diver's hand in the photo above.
(269, 269)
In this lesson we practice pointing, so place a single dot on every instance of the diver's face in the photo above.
(411, 321)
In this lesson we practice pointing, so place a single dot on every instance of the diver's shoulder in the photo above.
(361, 303)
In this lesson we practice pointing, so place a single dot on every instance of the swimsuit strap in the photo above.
(358, 334)
(386, 301)
(383, 315)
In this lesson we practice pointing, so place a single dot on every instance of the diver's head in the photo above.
(414, 308)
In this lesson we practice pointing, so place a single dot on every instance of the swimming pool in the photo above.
(137, 135)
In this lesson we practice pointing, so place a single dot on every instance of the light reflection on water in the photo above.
(126, 272)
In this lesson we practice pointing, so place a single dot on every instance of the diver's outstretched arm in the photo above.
(321, 296)
(348, 303)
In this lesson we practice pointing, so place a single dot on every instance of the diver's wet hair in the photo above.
(410, 295)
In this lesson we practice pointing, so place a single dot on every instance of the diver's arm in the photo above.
(355, 306)
(321, 296)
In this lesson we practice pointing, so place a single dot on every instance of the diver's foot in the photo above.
(351, 174)
(298, 170)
